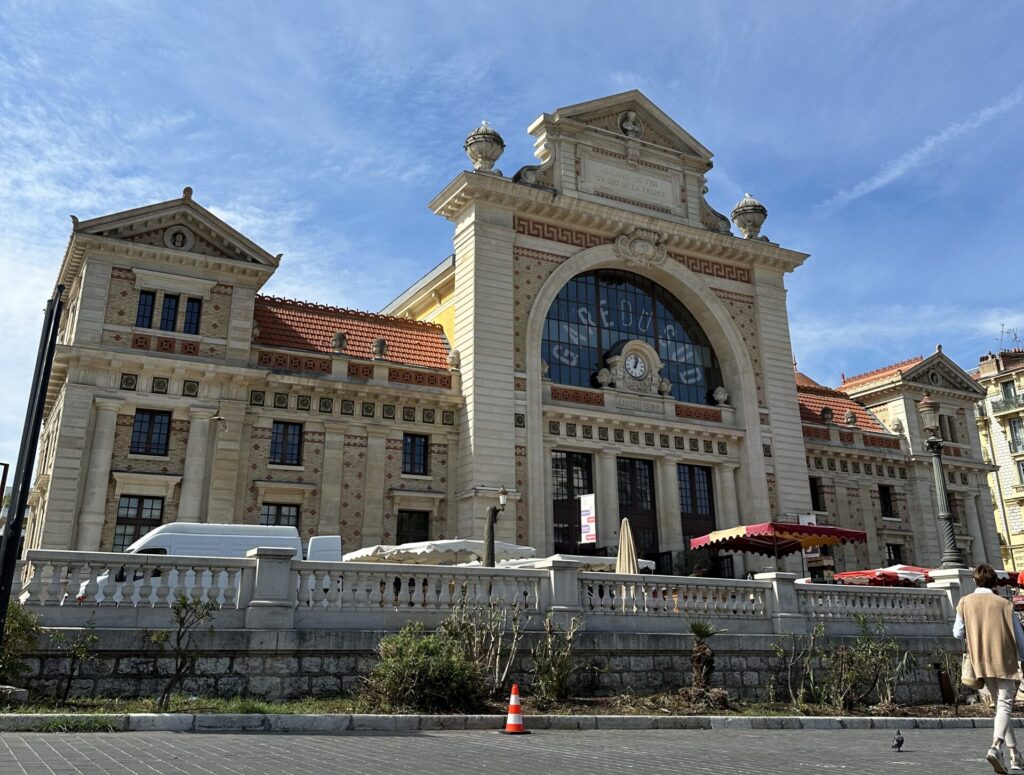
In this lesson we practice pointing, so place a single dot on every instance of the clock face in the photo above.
(635, 366)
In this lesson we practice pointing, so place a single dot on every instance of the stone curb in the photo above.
(335, 723)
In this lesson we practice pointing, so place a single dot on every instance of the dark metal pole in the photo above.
(27, 453)
(951, 554)
(492, 515)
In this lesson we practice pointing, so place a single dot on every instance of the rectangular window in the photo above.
(696, 502)
(413, 526)
(279, 514)
(1016, 435)
(144, 314)
(817, 494)
(1020, 471)
(415, 454)
(894, 554)
(1009, 390)
(286, 444)
(885, 498)
(169, 313)
(150, 432)
(136, 516)
(193, 312)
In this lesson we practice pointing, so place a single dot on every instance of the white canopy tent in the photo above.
(451, 551)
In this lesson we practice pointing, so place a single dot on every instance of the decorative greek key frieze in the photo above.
(555, 233)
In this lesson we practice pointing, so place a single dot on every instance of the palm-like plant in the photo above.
(702, 657)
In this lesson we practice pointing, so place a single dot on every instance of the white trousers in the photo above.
(1002, 691)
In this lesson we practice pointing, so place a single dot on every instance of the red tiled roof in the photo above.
(813, 399)
(879, 374)
(802, 380)
(302, 325)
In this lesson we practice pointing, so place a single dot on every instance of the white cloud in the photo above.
(923, 151)
(828, 344)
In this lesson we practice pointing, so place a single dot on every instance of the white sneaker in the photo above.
(1016, 759)
(995, 758)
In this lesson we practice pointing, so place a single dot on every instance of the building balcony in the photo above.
(1004, 405)
(1017, 492)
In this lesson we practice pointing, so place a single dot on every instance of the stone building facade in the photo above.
(598, 329)
(1001, 425)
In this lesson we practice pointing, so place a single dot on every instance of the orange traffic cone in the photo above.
(514, 724)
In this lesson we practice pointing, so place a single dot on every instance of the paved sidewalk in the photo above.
(589, 752)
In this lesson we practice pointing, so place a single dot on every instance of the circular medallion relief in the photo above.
(179, 238)
(933, 377)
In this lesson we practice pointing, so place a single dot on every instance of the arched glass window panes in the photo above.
(596, 310)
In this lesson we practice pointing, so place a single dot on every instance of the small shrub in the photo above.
(702, 657)
(871, 666)
(950, 663)
(554, 661)
(799, 654)
(21, 637)
(188, 614)
(490, 637)
(423, 673)
(79, 650)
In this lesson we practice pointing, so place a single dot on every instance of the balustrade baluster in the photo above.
(444, 592)
(302, 592)
(55, 588)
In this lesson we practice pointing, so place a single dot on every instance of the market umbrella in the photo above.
(441, 552)
(585, 562)
(893, 576)
(368, 553)
(626, 562)
(777, 539)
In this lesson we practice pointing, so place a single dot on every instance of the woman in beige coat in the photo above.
(995, 646)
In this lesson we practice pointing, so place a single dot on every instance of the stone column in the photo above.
(606, 487)
(979, 553)
(727, 509)
(373, 492)
(97, 479)
(876, 552)
(193, 482)
(666, 487)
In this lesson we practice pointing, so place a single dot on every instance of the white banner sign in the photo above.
(588, 519)
(810, 519)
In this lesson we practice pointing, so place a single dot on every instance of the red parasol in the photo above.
(777, 538)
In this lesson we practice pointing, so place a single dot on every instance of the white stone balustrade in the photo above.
(270, 590)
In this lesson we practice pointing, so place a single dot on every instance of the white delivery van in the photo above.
(193, 539)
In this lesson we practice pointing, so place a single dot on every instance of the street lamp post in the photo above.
(492, 516)
(951, 555)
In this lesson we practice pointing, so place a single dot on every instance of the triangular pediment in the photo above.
(939, 371)
(648, 123)
(179, 225)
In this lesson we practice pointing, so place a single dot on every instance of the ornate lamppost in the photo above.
(951, 555)
(492, 515)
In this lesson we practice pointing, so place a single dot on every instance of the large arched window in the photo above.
(596, 310)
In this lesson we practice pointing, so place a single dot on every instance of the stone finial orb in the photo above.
(454, 360)
(665, 386)
(339, 341)
(721, 395)
(851, 417)
(380, 348)
(484, 147)
(827, 415)
(749, 215)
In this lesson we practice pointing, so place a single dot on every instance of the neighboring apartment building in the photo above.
(599, 329)
(1001, 423)
(869, 468)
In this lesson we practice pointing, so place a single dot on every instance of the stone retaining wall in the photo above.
(277, 665)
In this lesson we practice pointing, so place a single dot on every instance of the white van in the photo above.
(193, 539)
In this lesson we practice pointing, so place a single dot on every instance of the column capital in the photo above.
(108, 404)
(201, 413)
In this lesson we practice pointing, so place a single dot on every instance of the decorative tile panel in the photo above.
(360, 370)
(577, 396)
(692, 412)
(421, 378)
(289, 362)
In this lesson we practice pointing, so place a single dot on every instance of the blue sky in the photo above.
(884, 139)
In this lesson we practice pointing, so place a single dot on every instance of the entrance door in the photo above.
(636, 501)
(570, 478)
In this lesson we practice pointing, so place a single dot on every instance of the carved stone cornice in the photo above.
(607, 220)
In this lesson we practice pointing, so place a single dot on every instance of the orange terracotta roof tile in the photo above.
(879, 374)
(813, 399)
(302, 325)
(802, 380)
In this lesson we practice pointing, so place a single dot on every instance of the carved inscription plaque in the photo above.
(639, 405)
(629, 184)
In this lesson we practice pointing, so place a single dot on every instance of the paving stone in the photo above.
(570, 752)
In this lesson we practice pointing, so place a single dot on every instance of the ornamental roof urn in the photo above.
(749, 215)
(484, 147)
